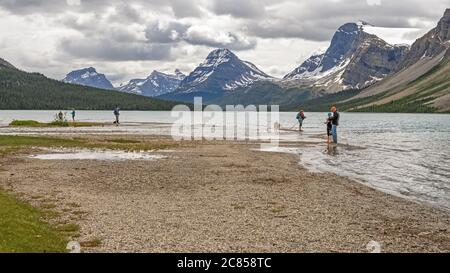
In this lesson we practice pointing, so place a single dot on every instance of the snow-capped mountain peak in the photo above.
(362, 24)
(88, 77)
(222, 71)
(346, 64)
(156, 84)
(218, 57)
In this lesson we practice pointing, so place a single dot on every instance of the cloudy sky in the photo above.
(129, 39)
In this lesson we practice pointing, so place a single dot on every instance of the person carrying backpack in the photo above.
(334, 123)
(301, 117)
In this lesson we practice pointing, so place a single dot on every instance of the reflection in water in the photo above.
(332, 149)
(405, 155)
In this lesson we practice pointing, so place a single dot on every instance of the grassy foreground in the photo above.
(10, 144)
(22, 229)
(33, 123)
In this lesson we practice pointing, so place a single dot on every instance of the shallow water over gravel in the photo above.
(101, 155)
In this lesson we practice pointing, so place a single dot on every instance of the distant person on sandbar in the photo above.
(60, 116)
(117, 114)
(73, 113)
(301, 117)
(334, 123)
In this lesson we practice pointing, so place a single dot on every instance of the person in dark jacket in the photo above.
(117, 114)
(329, 127)
(334, 123)
(60, 116)
(73, 113)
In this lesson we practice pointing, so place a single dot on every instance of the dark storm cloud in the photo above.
(185, 8)
(114, 51)
(198, 36)
(318, 20)
(50, 6)
(308, 19)
(173, 32)
(239, 8)
(170, 32)
(126, 13)
(179, 8)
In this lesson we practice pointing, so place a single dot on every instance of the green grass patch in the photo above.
(56, 123)
(9, 144)
(23, 231)
(26, 141)
(123, 141)
(31, 123)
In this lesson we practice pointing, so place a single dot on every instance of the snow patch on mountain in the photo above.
(352, 60)
(88, 77)
(156, 84)
(222, 71)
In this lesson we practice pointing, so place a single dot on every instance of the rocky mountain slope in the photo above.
(5, 64)
(156, 84)
(354, 60)
(88, 77)
(20, 90)
(422, 81)
(222, 72)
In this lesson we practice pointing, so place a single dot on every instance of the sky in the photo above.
(130, 39)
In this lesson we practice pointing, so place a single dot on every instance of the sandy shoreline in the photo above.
(223, 197)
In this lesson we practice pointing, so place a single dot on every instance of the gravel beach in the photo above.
(222, 197)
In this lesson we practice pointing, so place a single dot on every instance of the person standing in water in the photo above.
(117, 114)
(73, 113)
(301, 117)
(329, 127)
(334, 123)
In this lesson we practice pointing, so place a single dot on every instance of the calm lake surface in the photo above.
(406, 155)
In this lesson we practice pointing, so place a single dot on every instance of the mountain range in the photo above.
(20, 90)
(360, 71)
(156, 84)
(222, 72)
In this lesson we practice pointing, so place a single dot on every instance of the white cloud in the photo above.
(127, 38)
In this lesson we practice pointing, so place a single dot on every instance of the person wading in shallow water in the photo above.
(301, 117)
(117, 114)
(329, 127)
(334, 123)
